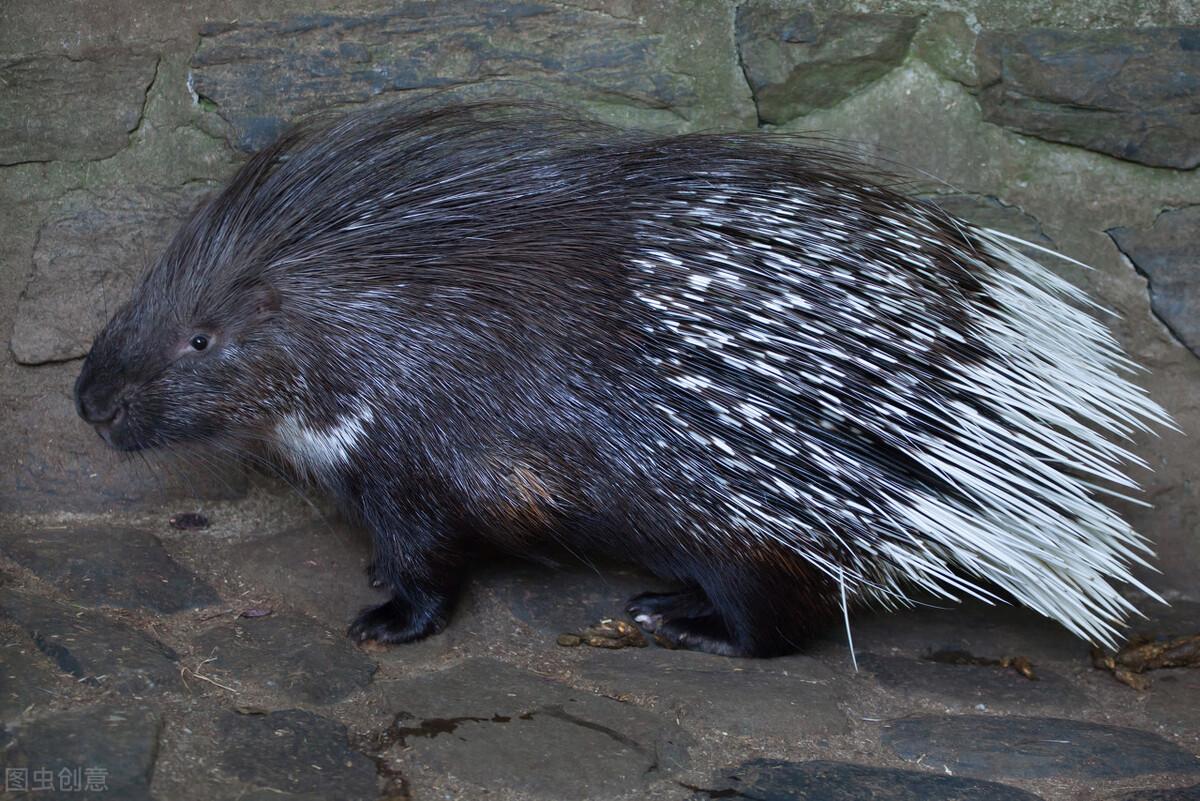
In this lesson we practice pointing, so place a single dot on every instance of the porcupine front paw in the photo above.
(396, 621)
(685, 619)
(374, 574)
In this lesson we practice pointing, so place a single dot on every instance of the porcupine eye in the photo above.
(199, 342)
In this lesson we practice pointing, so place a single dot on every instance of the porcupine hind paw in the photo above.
(685, 619)
(395, 622)
(650, 609)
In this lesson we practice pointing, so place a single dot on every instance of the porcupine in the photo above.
(740, 361)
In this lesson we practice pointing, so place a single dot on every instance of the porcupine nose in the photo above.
(95, 402)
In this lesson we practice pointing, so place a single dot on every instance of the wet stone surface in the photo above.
(288, 654)
(773, 780)
(101, 752)
(123, 568)
(1034, 748)
(484, 724)
(294, 751)
(787, 697)
(93, 648)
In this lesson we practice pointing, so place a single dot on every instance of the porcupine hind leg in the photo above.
(421, 564)
(737, 610)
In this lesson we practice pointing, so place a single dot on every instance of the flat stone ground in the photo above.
(142, 661)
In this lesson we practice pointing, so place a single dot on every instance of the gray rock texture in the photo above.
(1035, 748)
(92, 648)
(293, 751)
(54, 107)
(485, 725)
(1073, 125)
(786, 697)
(123, 568)
(968, 686)
(89, 253)
(287, 654)
(842, 781)
(1133, 94)
(260, 75)
(93, 753)
(316, 568)
(795, 63)
(1168, 254)
(27, 677)
(1173, 794)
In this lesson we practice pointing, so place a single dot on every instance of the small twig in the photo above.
(184, 670)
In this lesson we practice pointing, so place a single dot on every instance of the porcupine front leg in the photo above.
(419, 560)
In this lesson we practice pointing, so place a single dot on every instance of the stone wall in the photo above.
(1073, 124)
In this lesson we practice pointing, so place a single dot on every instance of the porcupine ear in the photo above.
(259, 299)
(266, 299)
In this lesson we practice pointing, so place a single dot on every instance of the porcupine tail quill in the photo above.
(1027, 518)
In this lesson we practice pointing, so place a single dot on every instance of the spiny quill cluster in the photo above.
(736, 359)
(993, 401)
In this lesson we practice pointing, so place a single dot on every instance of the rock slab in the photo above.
(1128, 92)
(1167, 794)
(315, 568)
(788, 697)
(969, 685)
(26, 677)
(1173, 702)
(89, 252)
(1168, 254)
(288, 654)
(1034, 748)
(294, 751)
(99, 753)
(260, 75)
(485, 725)
(92, 647)
(74, 109)
(796, 62)
(774, 780)
(122, 568)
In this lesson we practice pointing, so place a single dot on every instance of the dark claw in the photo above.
(651, 608)
(684, 619)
